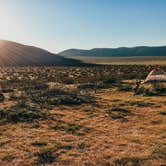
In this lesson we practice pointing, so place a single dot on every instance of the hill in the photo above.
(117, 52)
(15, 54)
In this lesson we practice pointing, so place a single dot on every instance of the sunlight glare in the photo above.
(7, 23)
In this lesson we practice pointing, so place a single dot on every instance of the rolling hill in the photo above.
(116, 52)
(15, 54)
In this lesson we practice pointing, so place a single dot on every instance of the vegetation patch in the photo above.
(4, 142)
(133, 161)
(8, 157)
(95, 86)
(118, 113)
(159, 150)
(39, 143)
(152, 89)
(90, 112)
(46, 155)
(140, 103)
(48, 98)
(49, 155)
(22, 113)
(162, 112)
(124, 87)
(2, 98)
(72, 128)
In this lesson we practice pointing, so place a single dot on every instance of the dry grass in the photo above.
(110, 141)
(123, 60)
(119, 129)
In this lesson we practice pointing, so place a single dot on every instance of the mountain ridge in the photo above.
(117, 52)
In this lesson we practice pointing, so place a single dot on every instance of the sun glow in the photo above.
(8, 24)
(5, 21)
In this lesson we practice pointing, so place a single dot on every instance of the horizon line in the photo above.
(40, 47)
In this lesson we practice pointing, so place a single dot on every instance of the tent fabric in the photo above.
(156, 76)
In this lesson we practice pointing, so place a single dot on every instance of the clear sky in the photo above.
(56, 25)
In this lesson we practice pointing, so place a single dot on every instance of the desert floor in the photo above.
(88, 135)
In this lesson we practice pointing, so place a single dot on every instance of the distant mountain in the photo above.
(15, 54)
(117, 52)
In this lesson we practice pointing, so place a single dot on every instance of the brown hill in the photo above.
(15, 54)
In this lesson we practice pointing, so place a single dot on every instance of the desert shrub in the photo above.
(89, 110)
(162, 112)
(53, 97)
(33, 85)
(133, 161)
(139, 103)
(49, 98)
(2, 143)
(35, 124)
(8, 157)
(45, 155)
(159, 150)
(151, 89)
(82, 145)
(22, 113)
(2, 114)
(68, 81)
(118, 113)
(7, 90)
(2, 98)
(49, 155)
(72, 128)
(124, 87)
(160, 88)
(97, 85)
(113, 79)
(39, 143)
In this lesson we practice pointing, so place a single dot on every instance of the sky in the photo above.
(56, 25)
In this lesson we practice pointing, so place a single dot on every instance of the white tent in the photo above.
(156, 76)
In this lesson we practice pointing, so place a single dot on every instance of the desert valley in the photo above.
(79, 115)
(82, 83)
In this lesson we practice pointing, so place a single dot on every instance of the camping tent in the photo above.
(155, 76)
